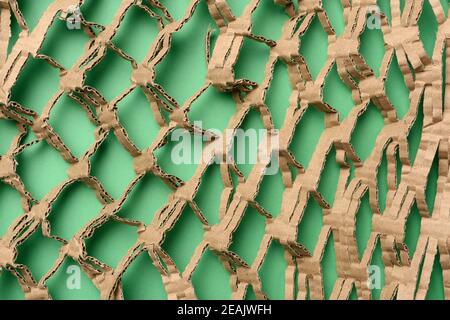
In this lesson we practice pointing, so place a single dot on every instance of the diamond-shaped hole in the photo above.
(310, 226)
(382, 183)
(183, 70)
(63, 44)
(415, 134)
(144, 30)
(335, 13)
(237, 6)
(176, 9)
(246, 240)
(36, 84)
(38, 253)
(277, 98)
(111, 76)
(10, 206)
(8, 131)
(142, 281)
(272, 272)
(137, 117)
(181, 155)
(183, 239)
(328, 265)
(363, 224)
(436, 287)
(329, 177)
(372, 48)
(71, 123)
(377, 268)
(428, 27)
(74, 208)
(111, 242)
(41, 168)
(399, 168)
(337, 94)
(113, 166)
(402, 5)
(431, 188)
(412, 230)
(15, 31)
(314, 47)
(252, 61)
(246, 142)
(33, 10)
(369, 125)
(382, 179)
(385, 8)
(209, 194)
(250, 295)
(307, 135)
(270, 194)
(210, 270)
(353, 294)
(445, 6)
(269, 11)
(206, 114)
(143, 27)
(396, 89)
(146, 198)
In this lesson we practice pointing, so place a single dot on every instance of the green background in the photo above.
(181, 73)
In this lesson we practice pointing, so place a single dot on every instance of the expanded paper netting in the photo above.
(405, 277)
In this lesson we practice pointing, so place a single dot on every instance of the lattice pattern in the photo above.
(424, 78)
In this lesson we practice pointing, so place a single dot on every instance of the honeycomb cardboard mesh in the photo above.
(406, 276)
